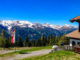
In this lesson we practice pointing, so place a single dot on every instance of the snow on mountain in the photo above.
(9, 24)
(52, 26)
(66, 26)
(34, 30)
(58, 27)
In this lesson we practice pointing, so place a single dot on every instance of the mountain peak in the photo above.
(10, 24)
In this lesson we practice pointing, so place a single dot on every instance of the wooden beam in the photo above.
(79, 27)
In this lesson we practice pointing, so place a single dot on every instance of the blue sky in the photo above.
(56, 12)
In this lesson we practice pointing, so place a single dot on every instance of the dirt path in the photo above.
(6, 51)
(21, 56)
(9, 51)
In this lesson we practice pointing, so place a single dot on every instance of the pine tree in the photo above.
(20, 42)
(55, 41)
(51, 39)
(33, 42)
(3, 39)
(39, 42)
(26, 42)
(29, 44)
(43, 40)
(7, 43)
(62, 40)
(3, 33)
(48, 40)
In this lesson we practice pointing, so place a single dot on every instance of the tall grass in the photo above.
(59, 55)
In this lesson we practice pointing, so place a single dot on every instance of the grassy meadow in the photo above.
(59, 55)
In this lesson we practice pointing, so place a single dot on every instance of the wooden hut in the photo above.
(75, 35)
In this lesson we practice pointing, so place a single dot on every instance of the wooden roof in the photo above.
(75, 34)
(77, 19)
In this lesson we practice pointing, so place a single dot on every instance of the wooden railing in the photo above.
(67, 47)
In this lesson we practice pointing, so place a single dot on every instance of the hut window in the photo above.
(73, 43)
(78, 42)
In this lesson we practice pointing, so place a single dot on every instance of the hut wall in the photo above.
(74, 40)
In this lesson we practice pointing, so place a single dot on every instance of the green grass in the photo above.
(59, 55)
(25, 51)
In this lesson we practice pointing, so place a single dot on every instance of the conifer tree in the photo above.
(26, 42)
(39, 42)
(51, 39)
(43, 40)
(55, 41)
(62, 40)
(3, 33)
(48, 40)
(20, 42)
(3, 39)
(33, 42)
(7, 43)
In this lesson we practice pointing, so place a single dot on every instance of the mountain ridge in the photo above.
(35, 30)
(10, 23)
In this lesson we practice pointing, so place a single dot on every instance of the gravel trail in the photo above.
(21, 56)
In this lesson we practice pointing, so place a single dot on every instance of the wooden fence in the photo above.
(67, 47)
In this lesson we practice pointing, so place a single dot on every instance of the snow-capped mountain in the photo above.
(9, 24)
(34, 30)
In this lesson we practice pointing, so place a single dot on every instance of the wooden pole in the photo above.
(79, 27)
(15, 42)
(15, 47)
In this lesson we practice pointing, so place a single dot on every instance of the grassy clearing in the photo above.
(0, 48)
(25, 51)
(59, 55)
(18, 48)
(12, 48)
